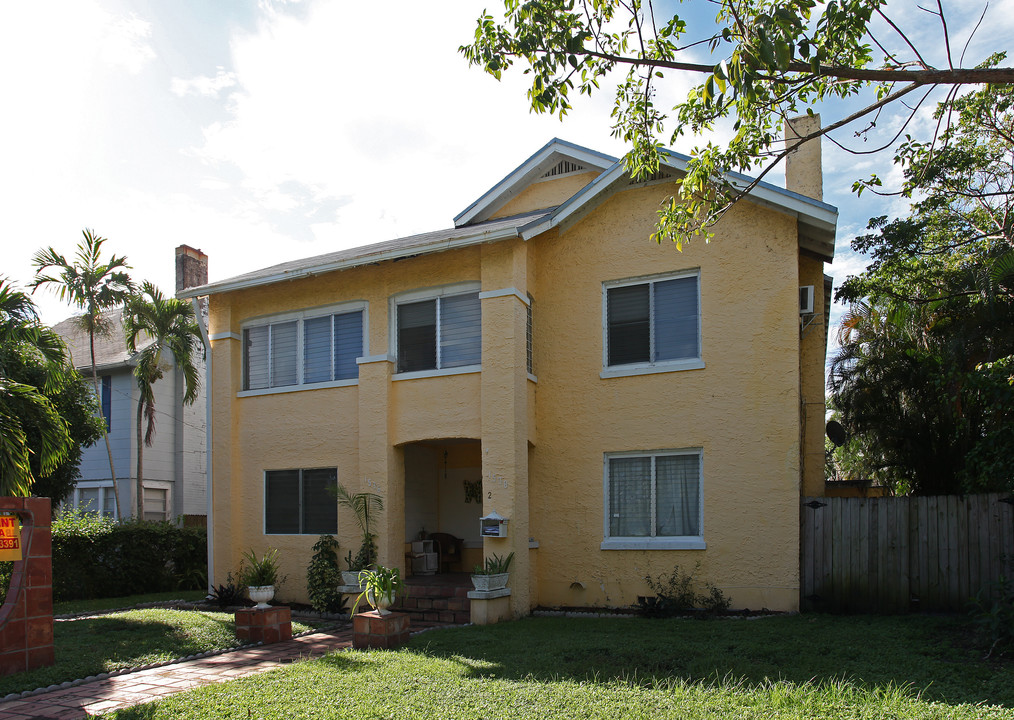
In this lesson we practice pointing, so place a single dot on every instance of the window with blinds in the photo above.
(654, 495)
(303, 351)
(301, 502)
(440, 333)
(653, 322)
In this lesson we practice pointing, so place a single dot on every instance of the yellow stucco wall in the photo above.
(545, 194)
(544, 438)
(742, 409)
(813, 352)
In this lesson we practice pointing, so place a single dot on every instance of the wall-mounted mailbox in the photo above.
(493, 525)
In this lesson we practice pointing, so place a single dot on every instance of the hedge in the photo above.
(95, 557)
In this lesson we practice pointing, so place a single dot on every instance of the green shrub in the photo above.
(95, 557)
(6, 570)
(323, 577)
(993, 612)
(676, 594)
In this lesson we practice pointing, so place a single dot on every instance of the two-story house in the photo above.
(625, 406)
(175, 476)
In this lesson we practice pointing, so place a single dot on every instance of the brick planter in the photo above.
(26, 618)
(269, 625)
(373, 630)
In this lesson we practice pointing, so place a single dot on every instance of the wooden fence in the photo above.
(900, 554)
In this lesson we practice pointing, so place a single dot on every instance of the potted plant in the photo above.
(381, 588)
(492, 576)
(260, 576)
(365, 506)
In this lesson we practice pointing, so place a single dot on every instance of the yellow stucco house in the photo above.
(624, 405)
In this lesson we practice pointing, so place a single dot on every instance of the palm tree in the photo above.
(92, 285)
(171, 327)
(22, 405)
(365, 505)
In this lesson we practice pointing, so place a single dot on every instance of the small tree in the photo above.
(93, 285)
(365, 506)
(171, 326)
(24, 407)
(763, 63)
(323, 576)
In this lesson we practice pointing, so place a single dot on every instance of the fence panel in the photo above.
(901, 554)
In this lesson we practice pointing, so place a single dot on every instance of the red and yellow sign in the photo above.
(10, 537)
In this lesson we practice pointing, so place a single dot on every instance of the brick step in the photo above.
(441, 617)
(437, 603)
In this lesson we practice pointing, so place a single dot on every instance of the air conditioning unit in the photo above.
(806, 300)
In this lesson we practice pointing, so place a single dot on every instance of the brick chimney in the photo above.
(191, 268)
(803, 173)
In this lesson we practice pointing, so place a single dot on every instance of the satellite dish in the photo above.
(836, 433)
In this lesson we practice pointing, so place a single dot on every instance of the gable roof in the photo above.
(110, 345)
(816, 220)
(539, 164)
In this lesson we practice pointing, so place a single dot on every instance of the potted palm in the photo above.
(381, 587)
(493, 575)
(364, 506)
(260, 576)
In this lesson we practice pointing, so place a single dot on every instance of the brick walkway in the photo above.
(133, 688)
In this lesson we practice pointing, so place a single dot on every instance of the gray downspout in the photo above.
(207, 450)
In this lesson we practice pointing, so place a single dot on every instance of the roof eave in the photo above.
(346, 263)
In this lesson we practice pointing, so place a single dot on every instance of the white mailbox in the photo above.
(493, 525)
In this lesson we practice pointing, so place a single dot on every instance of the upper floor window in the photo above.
(652, 323)
(439, 333)
(107, 400)
(301, 350)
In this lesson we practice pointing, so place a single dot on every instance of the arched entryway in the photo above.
(443, 502)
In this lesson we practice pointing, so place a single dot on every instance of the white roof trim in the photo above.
(347, 262)
(530, 171)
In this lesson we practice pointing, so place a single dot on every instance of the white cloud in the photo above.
(204, 86)
(125, 43)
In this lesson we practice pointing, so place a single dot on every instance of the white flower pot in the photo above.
(261, 594)
(485, 583)
(382, 602)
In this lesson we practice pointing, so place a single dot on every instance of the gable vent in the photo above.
(660, 175)
(564, 167)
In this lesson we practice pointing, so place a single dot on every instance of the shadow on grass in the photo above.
(103, 644)
(929, 657)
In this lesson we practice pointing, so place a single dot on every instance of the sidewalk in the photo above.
(133, 688)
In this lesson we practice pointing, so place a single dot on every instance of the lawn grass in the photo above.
(806, 666)
(83, 606)
(128, 639)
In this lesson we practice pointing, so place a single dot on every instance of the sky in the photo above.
(261, 132)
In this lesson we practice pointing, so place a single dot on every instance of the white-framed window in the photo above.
(157, 501)
(94, 497)
(651, 324)
(438, 329)
(653, 500)
(315, 348)
(301, 502)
